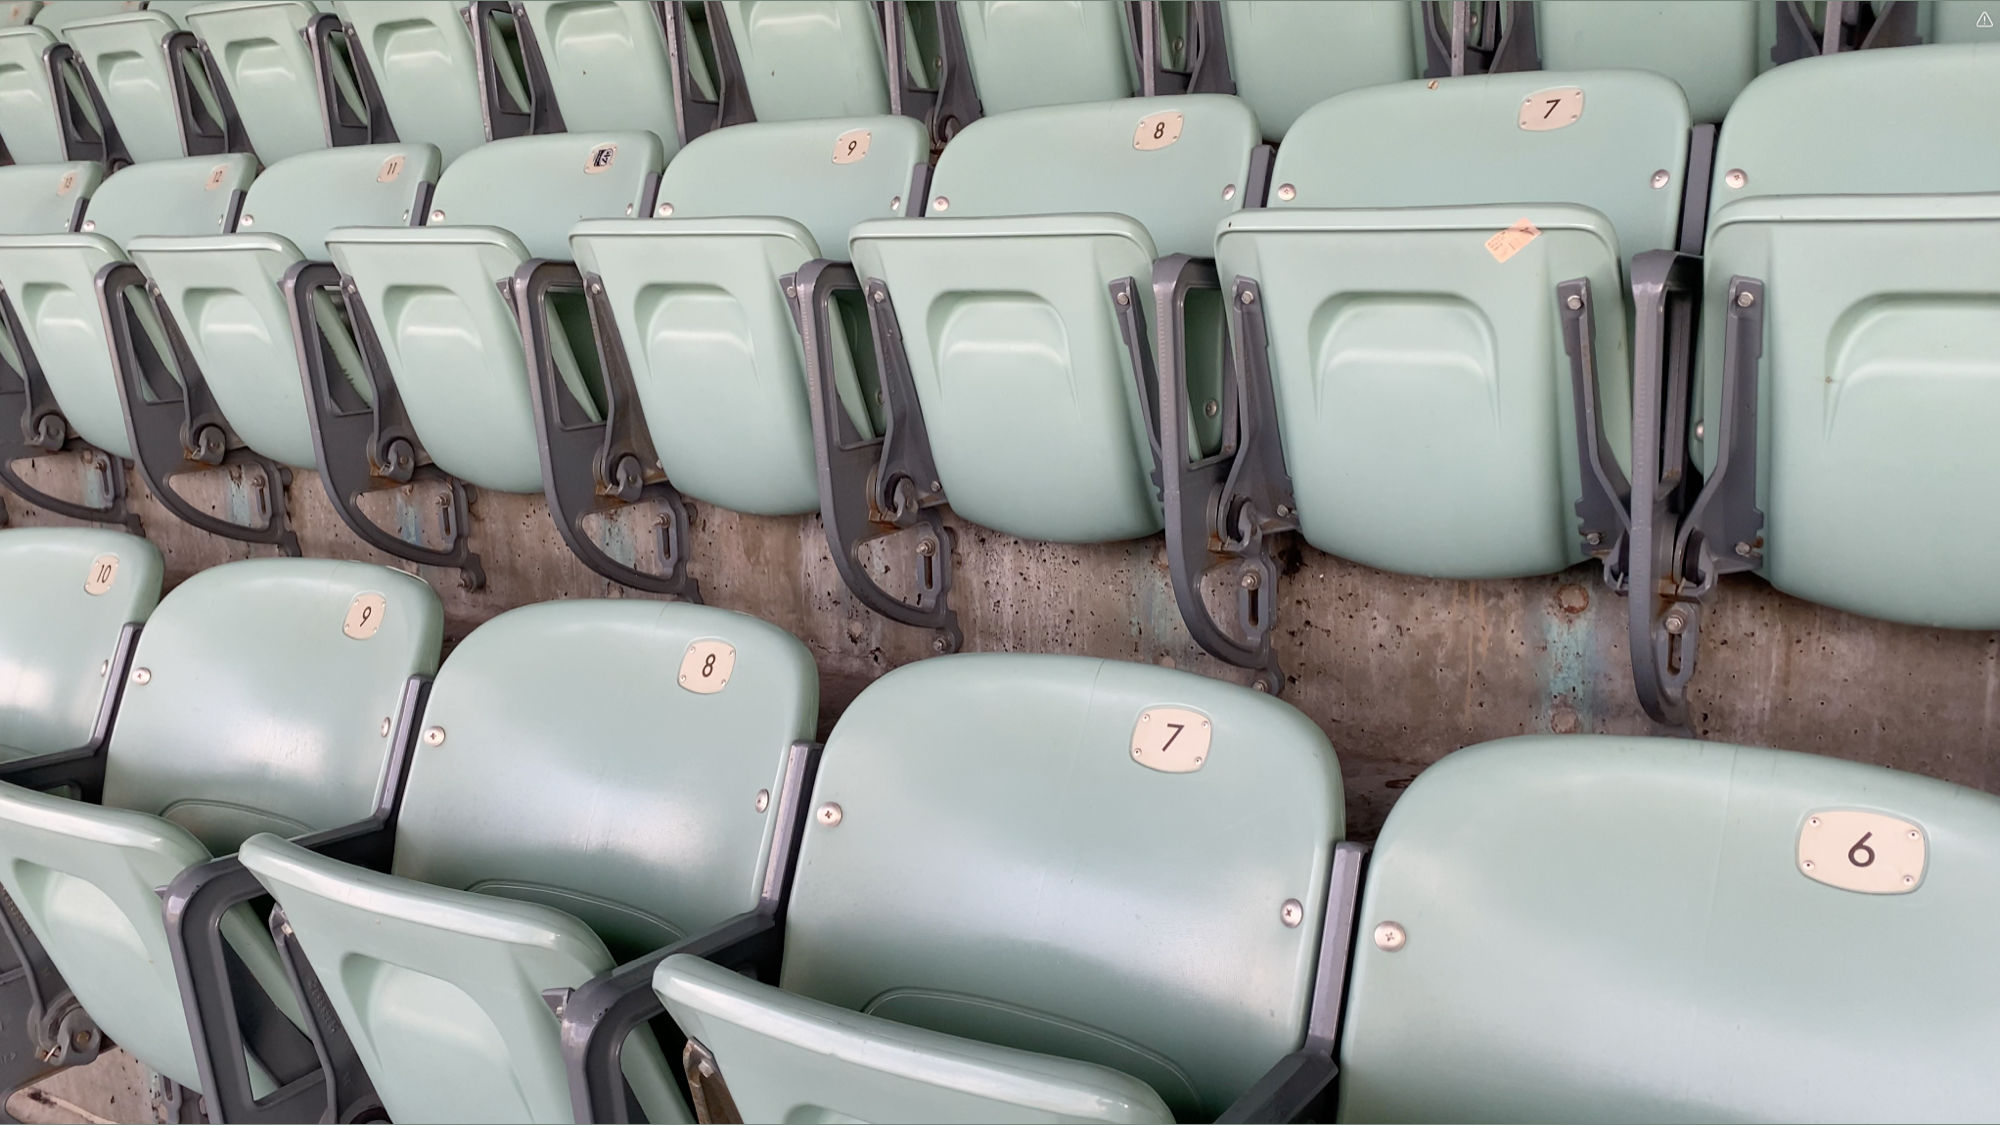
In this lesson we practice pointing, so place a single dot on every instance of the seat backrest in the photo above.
(58, 16)
(1027, 53)
(538, 187)
(70, 592)
(263, 696)
(124, 56)
(1711, 47)
(818, 58)
(303, 198)
(191, 195)
(420, 52)
(1080, 158)
(1286, 57)
(1460, 141)
(1634, 929)
(824, 175)
(46, 198)
(607, 64)
(19, 12)
(640, 813)
(261, 50)
(1047, 820)
(1959, 21)
(28, 121)
(1912, 120)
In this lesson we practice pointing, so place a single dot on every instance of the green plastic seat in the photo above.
(255, 704)
(28, 115)
(71, 592)
(50, 279)
(19, 12)
(1028, 53)
(1876, 235)
(1001, 294)
(821, 58)
(420, 53)
(1713, 48)
(1959, 21)
(223, 290)
(266, 63)
(46, 198)
(539, 845)
(1625, 929)
(607, 66)
(126, 55)
(1285, 57)
(1423, 391)
(1000, 915)
(696, 296)
(432, 293)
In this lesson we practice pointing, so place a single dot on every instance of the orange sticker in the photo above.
(1509, 242)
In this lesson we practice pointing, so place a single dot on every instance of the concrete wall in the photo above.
(1398, 671)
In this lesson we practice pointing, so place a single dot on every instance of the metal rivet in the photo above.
(1248, 297)
(597, 287)
(247, 221)
(1123, 297)
(936, 486)
(829, 814)
(1908, 879)
(1284, 510)
(385, 728)
(1211, 408)
(628, 210)
(791, 290)
(437, 216)
(1593, 537)
(1390, 937)
(1813, 820)
(104, 669)
(940, 204)
(763, 799)
(1575, 302)
(1745, 299)
(1287, 191)
(1735, 178)
(1661, 178)
(895, 203)
(90, 224)
(1807, 864)
(1744, 549)
(1700, 430)
(406, 214)
(434, 736)
(1261, 686)
(663, 210)
(1915, 835)
(1292, 913)
(938, 644)
(142, 675)
(1229, 191)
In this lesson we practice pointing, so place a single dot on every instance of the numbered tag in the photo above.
(364, 616)
(103, 572)
(600, 159)
(1552, 109)
(391, 168)
(706, 667)
(1170, 739)
(1869, 853)
(215, 177)
(850, 146)
(67, 184)
(1157, 130)
(1512, 241)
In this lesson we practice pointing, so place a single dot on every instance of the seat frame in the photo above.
(42, 431)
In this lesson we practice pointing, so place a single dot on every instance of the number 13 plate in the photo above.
(1869, 853)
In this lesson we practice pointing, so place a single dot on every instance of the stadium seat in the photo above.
(262, 698)
(959, 981)
(704, 371)
(600, 66)
(148, 70)
(426, 66)
(1028, 54)
(1681, 931)
(294, 87)
(1452, 251)
(1006, 368)
(433, 314)
(61, 345)
(50, 109)
(1713, 48)
(824, 58)
(234, 379)
(539, 846)
(1282, 58)
(1836, 428)
(1958, 21)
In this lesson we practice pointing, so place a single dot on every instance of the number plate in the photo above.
(1552, 109)
(1157, 130)
(1866, 852)
(215, 177)
(391, 168)
(706, 667)
(600, 159)
(103, 572)
(67, 184)
(850, 146)
(364, 616)
(1170, 739)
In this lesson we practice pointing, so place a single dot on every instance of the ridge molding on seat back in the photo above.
(1006, 373)
(1014, 958)
(1842, 396)
(1493, 219)
(1681, 931)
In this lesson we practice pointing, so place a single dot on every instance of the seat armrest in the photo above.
(1299, 1088)
(82, 766)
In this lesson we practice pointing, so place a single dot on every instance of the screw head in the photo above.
(434, 736)
(937, 644)
(1287, 191)
(1251, 580)
(1744, 550)
(1735, 178)
(1700, 430)
(142, 676)
(763, 799)
(1593, 537)
(1661, 178)
(1389, 937)
(1229, 191)
(1211, 408)
(103, 669)
(663, 210)
(927, 547)
(1807, 864)
(940, 204)
(385, 727)
(1676, 621)
(89, 224)
(247, 221)
(1284, 510)
(1745, 299)
(1123, 297)
(1292, 913)
(1575, 302)
(829, 814)
(628, 210)
(437, 216)
(1248, 297)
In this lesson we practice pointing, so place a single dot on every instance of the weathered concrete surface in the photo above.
(1398, 671)
(113, 1087)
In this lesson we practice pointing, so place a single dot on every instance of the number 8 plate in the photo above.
(706, 668)
(1869, 853)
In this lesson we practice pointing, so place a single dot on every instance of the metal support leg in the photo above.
(1602, 519)
(591, 465)
(503, 115)
(872, 487)
(42, 431)
(366, 445)
(957, 103)
(174, 424)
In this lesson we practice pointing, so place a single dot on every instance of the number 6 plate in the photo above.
(1866, 852)
(1170, 739)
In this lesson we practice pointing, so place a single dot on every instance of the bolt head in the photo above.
(1735, 178)
(1292, 913)
(1287, 192)
(142, 676)
(829, 814)
(1123, 297)
(247, 221)
(1211, 408)
(1745, 299)
(1661, 178)
(927, 547)
(664, 210)
(437, 216)
(1251, 580)
(1247, 297)
(1229, 191)
(90, 224)
(763, 799)
(1593, 538)
(1744, 550)
(1700, 430)
(940, 204)
(434, 736)
(1676, 621)
(1575, 302)
(1389, 937)
(938, 644)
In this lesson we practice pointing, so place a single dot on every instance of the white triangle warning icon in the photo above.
(1985, 20)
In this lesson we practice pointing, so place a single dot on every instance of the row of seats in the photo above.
(598, 842)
